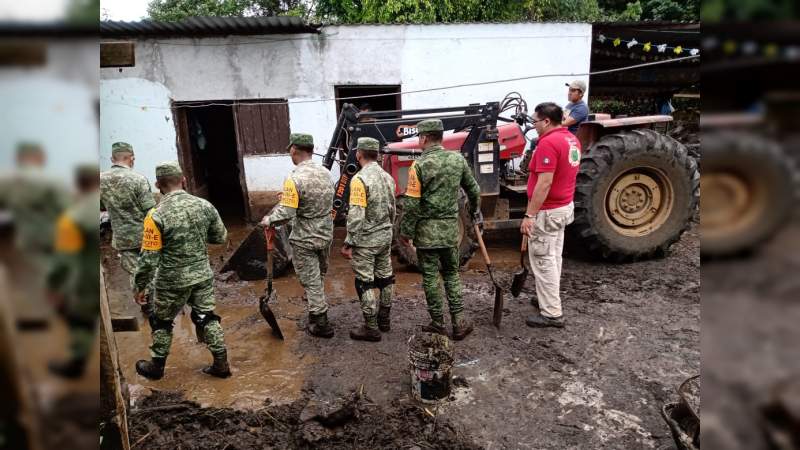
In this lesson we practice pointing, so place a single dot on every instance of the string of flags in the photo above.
(733, 47)
(647, 47)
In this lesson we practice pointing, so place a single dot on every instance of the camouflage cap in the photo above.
(303, 139)
(87, 170)
(429, 125)
(369, 144)
(29, 148)
(168, 169)
(121, 147)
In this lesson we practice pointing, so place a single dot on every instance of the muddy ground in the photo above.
(632, 335)
(751, 314)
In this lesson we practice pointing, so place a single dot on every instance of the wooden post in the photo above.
(112, 401)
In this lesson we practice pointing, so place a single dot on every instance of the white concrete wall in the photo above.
(55, 105)
(307, 67)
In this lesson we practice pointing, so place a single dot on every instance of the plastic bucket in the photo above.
(431, 358)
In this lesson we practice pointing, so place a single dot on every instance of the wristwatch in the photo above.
(528, 216)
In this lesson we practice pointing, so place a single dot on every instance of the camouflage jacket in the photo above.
(307, 198)
(36, 202)
(126, 196)
(74, 270)
(174, 239)
(430, 205)
(371, 216)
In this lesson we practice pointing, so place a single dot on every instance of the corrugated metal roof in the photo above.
(208, 26)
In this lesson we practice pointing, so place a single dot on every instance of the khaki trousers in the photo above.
(545, 246)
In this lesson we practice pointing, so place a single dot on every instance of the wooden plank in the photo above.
(275, 127)
(112, 401)
(117, 54)
(249, 125)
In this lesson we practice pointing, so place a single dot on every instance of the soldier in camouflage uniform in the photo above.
(369, 239)
(174, 252)
(307, 196)
(35, 201)
(430, 219)
(126, 196)
(74, 279)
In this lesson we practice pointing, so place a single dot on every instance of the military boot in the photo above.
(436, 325)
(384, 318)
(153, 369)
(368, 331)
(220, 368)
(319, 326)
(69, 368)
(461, 327)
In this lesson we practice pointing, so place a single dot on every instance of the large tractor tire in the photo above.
(467, 241)
(636, 193)
(748, 191)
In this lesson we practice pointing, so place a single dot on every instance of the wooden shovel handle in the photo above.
(524, 244)
(269, 236)
(482, 246)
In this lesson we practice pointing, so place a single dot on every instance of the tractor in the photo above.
(637, 189)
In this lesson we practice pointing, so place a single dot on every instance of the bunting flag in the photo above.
(750, 48)
(647, 46)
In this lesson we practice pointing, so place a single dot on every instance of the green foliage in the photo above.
(173, 10)
(433, 11)
(83, 12)
(739, 10)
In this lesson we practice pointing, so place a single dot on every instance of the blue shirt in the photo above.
(578, 111)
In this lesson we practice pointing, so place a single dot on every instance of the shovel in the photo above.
(497, 314)
(271, 295)
(522, 274)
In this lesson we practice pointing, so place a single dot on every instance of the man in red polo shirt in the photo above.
(551, 188)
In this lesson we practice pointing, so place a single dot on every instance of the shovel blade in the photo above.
(518, 282)
(269, 316)
(497, 314)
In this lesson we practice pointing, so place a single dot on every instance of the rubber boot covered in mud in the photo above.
(436, 325)
(384, 318)
(220, 367)
(368, 331)
(462, 327)
(319, 326)
(153, 369)
(68, 368)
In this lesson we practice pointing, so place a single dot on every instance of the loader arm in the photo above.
(392, 126)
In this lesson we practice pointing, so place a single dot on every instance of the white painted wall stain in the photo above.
(307, 67)
(149, 129)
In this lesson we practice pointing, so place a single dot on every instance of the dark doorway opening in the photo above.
(214, 159)
(374, 99)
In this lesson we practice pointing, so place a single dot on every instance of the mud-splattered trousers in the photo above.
(167, 303)
(372, 267)
(432, 261)
(545, 246)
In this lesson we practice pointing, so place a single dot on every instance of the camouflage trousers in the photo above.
(311, 265)
(81, 315)
(372, 267)
(167, 303)
(431, 263)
